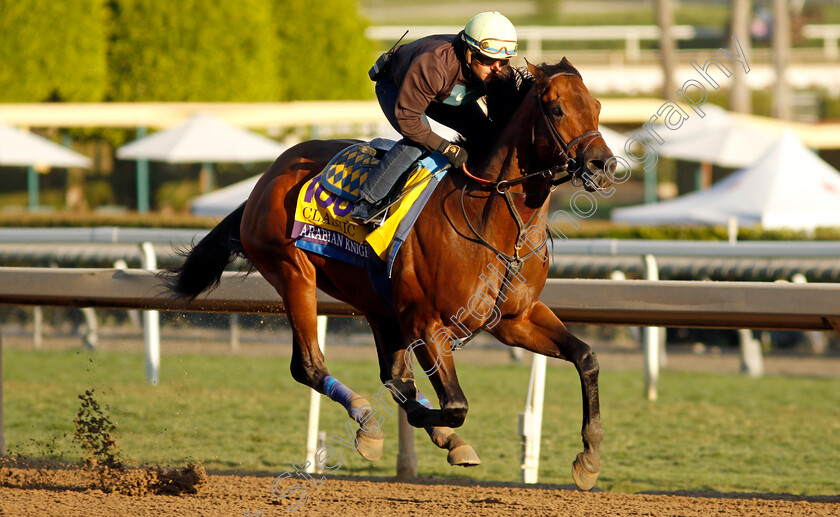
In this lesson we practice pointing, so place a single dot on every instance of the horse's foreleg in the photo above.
(460, 452)
(398, 376)
(418, 410)
(431, 344)
(539, 330)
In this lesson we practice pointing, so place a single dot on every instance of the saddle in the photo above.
(349, 169)
(322, 216)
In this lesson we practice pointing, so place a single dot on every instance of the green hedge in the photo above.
(189, 50)
(323, 52)
(53, 50)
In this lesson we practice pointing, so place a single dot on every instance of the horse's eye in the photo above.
(557, 111)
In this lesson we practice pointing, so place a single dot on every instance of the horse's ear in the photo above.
(565, 63)
(531, 67)
(536, 72)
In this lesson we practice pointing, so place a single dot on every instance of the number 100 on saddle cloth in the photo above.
(322, 216)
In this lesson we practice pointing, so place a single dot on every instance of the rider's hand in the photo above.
(456, 155)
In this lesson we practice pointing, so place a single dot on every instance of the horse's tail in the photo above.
(206, 261)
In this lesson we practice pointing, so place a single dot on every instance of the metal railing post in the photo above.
(406, 457)
(315, 407)
(151, 323)
(2, 436)
(651, 339)
(530, 421)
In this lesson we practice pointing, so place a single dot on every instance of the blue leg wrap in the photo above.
(337, 391)
(425, 402)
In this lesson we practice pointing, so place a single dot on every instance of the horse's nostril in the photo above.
(595, 165)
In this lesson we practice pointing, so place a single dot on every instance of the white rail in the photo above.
(632, 35)
(669, 303)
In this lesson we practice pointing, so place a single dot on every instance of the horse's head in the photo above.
(566, 129)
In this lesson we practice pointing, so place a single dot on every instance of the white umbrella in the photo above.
(718, 138)
(789, 187)
(224, 200)
(203, 139)
(615, 141)
(21, 148)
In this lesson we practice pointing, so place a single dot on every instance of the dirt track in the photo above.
(61, 491)
(66, 492)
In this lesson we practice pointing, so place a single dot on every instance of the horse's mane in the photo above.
(504, 96)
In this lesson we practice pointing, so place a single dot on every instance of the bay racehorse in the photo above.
(475, 260)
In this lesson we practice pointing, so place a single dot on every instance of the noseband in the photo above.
(573, 168)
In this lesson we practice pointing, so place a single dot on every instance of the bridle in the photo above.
(571, 167)
(573, 170)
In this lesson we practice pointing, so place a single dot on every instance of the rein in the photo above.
(563, 147)
(502, 187)
(563, 152)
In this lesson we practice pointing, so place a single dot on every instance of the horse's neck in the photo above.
(513, 154)
(512, 157)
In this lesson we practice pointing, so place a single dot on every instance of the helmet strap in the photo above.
(468, 71)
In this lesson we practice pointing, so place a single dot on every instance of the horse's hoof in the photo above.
(369, 448)
(584, 479)
(463, 456)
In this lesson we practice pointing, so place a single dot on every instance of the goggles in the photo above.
(489, 61)
(493, 46)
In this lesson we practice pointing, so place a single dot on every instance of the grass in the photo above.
(707, 432)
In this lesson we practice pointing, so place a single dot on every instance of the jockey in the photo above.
(441, 77)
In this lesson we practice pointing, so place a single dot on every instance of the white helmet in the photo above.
(491, 34)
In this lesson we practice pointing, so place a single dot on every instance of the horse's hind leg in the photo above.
(307, 365)
(392, 366)
(539, 330)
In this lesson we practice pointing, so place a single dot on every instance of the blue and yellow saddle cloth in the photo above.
(348, 170)
(322, 216)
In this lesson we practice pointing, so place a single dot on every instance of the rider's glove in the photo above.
(456, 155)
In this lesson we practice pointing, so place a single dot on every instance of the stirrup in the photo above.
(377, 217)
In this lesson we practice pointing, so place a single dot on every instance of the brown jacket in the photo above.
(425, 71)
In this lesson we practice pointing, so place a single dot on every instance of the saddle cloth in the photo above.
(322, 216)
